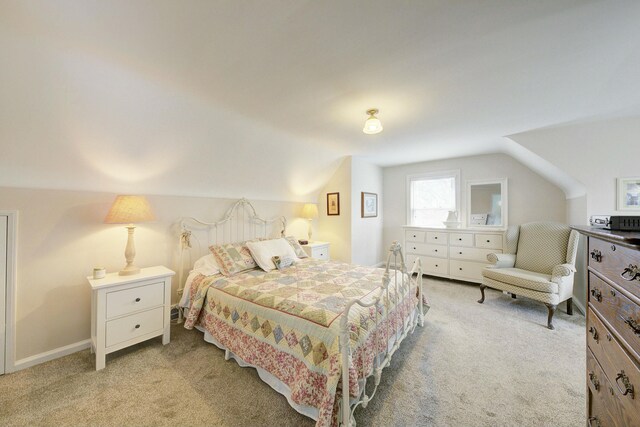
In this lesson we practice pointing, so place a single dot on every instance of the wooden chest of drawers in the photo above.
(613, 328)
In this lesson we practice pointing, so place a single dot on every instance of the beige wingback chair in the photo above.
(539, 263)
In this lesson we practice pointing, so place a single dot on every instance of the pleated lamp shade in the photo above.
(310, 210)
(129, 210)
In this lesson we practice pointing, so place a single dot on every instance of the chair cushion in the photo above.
(542, 246)
(522, 278)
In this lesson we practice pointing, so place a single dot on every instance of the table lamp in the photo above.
(129, 210)
(310, 211)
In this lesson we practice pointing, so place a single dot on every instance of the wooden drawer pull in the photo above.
(633, 325)
(628, 387)
(596, 255)
(593, 422)
(596, 294)
(594, 380)
(631, 273)
(594, 332)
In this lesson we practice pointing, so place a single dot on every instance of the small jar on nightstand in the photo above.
(317, 250)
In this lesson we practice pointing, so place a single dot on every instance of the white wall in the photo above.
(531, 197)
(336, 229)
(61, 237)
(353, 239)
(595, 154)
(367, 247)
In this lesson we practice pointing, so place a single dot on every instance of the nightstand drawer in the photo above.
(461, 239)
(320, 253)
(136, 325)
(437, 238)
(134, 299)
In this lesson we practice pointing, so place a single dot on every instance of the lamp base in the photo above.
(129, 270)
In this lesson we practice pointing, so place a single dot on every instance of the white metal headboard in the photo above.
(240, 223)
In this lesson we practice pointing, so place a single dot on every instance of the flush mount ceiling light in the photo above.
(372, 125)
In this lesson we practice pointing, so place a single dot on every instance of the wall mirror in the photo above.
(487, 203)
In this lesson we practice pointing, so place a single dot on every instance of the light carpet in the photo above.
(491, 364)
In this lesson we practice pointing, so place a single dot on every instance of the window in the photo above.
(431, 197)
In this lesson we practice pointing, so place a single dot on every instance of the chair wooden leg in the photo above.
(570, 306)
(513, 296)
(552, 310)
(482, 287)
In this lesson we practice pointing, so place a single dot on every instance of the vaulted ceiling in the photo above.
(262, 98)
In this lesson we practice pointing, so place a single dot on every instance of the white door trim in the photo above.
(12, 268)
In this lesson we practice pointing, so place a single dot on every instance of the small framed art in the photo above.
(369, 202)
(629, 194)
(333, 203)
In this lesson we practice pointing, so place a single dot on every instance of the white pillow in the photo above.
(263, 252)
(206, 265)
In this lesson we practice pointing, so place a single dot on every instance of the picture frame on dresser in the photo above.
(628, 194)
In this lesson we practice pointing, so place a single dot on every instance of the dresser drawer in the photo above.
(489, 241)
(466, 269)
(611, 260)
(461, 239)
(604, 406)
(471, 254)
(435, 266)
(618, 310)
(415, 236)
(437, 238)
(618, 367)
(134, 299)
(428, 250)
(134, 326)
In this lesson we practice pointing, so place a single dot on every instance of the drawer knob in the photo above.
(435, 250)
(628, 387)
(594, 380)
(609, 337)
(436, 265)
(137, 299)
(414, 248)
(594, 332)
(137, 326)
(596, 255)
(595, 293)
(460, 238)
(460, 253)
(613, 293)
(635, 327)
(631, 273)
(488, 241)
(613, 248)
(460, 268)
(594, 422)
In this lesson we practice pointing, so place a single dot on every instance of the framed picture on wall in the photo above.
(629, 194)
(333, 203)
(369, 202)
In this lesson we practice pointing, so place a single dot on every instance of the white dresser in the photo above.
(454, 253)
(126, 310)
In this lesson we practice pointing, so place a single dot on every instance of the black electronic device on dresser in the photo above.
(616, 222)
(613, 327)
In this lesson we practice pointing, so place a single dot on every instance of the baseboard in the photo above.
(37, 359)
(579, 306)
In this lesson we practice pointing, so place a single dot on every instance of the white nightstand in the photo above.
(126, 310)
(318, 250)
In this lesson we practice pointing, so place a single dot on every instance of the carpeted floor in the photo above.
(493, 364)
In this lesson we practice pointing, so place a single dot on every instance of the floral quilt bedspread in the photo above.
(287, 322)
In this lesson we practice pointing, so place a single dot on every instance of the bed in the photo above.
(316, 331)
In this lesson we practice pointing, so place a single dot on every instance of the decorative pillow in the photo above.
(300, 253)
(265, 250)
(233, 258)
(206, 265)
(282, 262)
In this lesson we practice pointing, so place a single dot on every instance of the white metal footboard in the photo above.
(402, 288)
